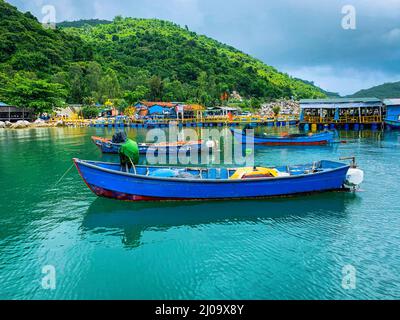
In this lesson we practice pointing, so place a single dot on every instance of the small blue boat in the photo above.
(107, 146)
(289, 139)
(150, 183)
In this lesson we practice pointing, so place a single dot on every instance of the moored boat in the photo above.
(322, 138)
(107, 146)
(147, 183)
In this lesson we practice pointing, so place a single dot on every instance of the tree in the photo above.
(76, 81)
(156, 86)
(140, 93)
(90, 112)
(92, 79)
(276, 109)
(39, 95)
(109, 85)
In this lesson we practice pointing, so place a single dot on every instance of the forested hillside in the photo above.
(383, 91)
(126, 60)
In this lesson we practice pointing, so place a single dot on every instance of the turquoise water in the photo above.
(293, 248)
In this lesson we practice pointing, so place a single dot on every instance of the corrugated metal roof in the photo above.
(340, 100)
(161, 104)
(392, 102)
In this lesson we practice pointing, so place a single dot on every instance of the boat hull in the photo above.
(392, 124)
(105, 180)
(106, 146)
(312, 140)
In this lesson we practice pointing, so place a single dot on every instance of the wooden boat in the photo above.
(107, 146)
(149, 183)
(288, 139)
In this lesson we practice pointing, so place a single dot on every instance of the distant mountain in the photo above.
(387, 90)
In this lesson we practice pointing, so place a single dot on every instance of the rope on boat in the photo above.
(63, 176)
(69, 169)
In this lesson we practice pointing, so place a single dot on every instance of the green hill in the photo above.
(383, 91)
(327, 93)
(127, 60)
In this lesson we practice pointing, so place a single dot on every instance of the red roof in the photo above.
(161, 104)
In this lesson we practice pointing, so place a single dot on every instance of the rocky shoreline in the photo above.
(23, 124)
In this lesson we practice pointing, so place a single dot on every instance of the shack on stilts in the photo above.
(342, 113)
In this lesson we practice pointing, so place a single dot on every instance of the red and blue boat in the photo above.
(107, 146)
(158, 183)
(301, 139)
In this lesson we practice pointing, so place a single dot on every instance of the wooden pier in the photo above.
(342, 113)
(196, 122)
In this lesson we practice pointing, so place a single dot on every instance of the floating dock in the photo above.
(193, 123)
(342, 113)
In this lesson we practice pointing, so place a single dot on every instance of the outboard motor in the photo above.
(354, 176)
(119, 137)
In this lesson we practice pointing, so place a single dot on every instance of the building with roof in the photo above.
(392, 118)
(170, 110)
(156, 109)
(223, 111)
(342, 112)
(14, 114)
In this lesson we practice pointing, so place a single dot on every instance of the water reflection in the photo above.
(133, 219)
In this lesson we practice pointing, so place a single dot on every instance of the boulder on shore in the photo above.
(20, 124)
(60, 123)
(8, 124)
(2, 124)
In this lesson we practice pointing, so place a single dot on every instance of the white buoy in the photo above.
(354, 177)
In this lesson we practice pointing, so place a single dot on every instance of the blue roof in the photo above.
(392, 102)
(2, 104)
(340, 100)
(340, 103)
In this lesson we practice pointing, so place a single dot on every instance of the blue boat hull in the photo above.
(315, 139)
(113, 148)
(393, 124)
(107, 180)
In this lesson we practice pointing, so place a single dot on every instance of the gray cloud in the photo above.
(303, 38)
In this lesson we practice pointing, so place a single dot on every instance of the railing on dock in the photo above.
(209, 120)
(343, 119)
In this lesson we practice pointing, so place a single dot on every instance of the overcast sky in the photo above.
(304, 38)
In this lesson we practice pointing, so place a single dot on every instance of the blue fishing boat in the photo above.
(149, 183)
(288, 139)
(107, 146)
